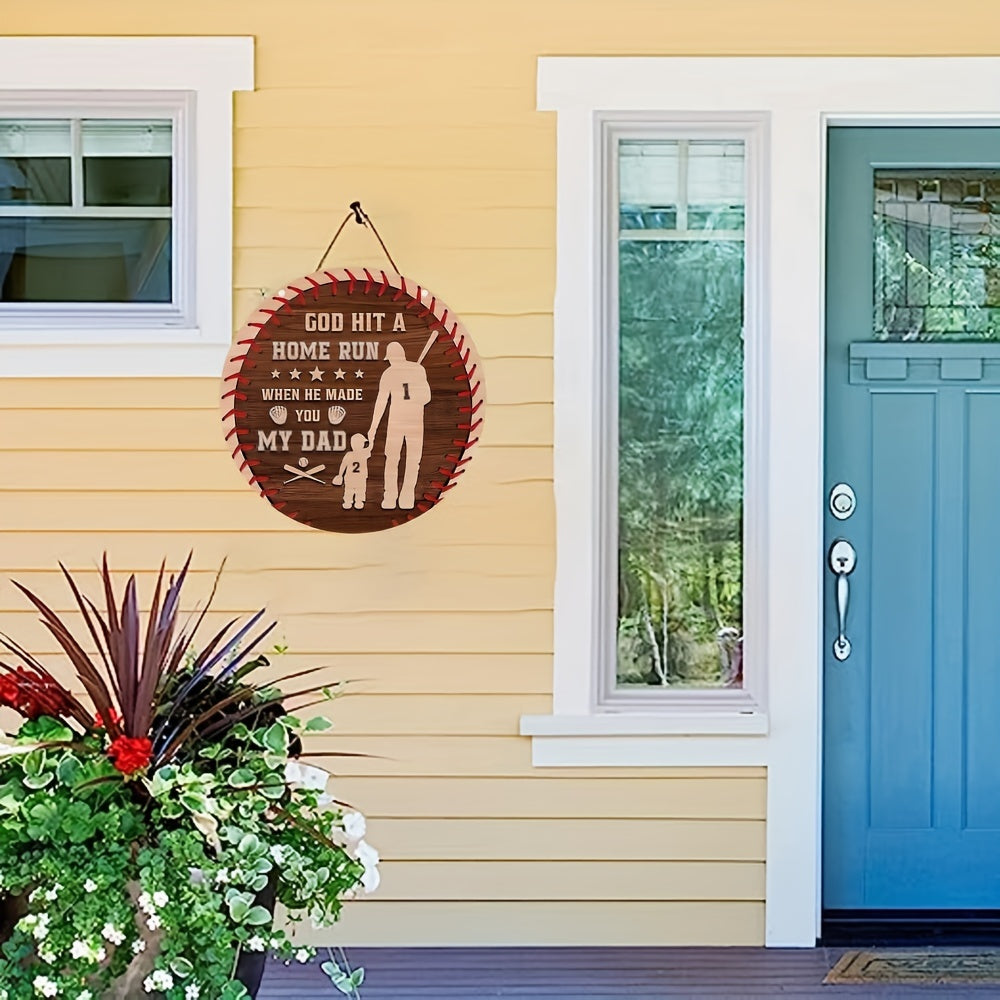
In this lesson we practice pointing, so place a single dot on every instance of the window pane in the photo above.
(937, 255)
(127, 162)
(85, 260)
(680, 467)
(124, 180)
(34, 162)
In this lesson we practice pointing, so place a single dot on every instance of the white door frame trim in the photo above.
(802, 96)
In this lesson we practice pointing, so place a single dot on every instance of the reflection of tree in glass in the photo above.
(680, 461)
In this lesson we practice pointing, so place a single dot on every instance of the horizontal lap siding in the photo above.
(444, 627)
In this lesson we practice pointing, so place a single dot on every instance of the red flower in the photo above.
(130, 753)
(112, 714)
(33, 695)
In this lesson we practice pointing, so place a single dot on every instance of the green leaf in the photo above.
(180, 966)
(276, 738)
(69, 769)
(238, 909)
(45, 729)
(258, 916)
(318, 724)
(250, 844)
(242, 777)
(36, 781)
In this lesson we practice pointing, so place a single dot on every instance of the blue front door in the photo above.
(912, 690)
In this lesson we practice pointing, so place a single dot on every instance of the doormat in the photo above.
(891, 965)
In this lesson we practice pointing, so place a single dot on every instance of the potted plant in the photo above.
(149, 824)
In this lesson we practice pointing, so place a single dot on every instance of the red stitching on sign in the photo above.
(298, 292)
(334, 280)
(469, 409)
(235, 375)
(260, 326)
(385, 285)
(240, 357)
(315, 288)
(269, 492)
(235, 393)
(402, 291)
(239, 414)
(284, 302)
(252, 339)
(350, 286)
(470, 427)
(370, 280)
(280, 504)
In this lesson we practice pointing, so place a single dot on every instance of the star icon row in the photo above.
(316, 374)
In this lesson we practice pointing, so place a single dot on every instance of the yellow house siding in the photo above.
(423, 109)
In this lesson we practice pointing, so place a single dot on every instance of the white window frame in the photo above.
(191, 80)
(605, 695)
(802, 97)
(80, 319)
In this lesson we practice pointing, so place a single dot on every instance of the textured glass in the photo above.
(937, 255)
(680, 447)
(84, 260)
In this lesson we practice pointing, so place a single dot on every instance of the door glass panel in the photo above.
(937, 254)
(680, 246)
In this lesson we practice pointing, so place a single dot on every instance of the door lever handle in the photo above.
(843, 559)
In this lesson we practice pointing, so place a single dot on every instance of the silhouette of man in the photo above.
(404, 389)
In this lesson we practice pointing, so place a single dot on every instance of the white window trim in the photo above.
(802, 97)
(201, 74)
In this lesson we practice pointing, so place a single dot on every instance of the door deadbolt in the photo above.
(842, 501)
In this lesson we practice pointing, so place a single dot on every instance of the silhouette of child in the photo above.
(353, 474)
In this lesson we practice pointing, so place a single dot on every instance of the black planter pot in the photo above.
(250, 967)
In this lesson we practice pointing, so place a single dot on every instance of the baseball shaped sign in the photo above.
(352, 400)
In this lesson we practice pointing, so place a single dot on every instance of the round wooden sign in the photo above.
(352, 400)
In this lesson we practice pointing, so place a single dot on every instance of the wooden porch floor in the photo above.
(592, 974)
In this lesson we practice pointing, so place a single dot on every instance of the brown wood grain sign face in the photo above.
(352, 400)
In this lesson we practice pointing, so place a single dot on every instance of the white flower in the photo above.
(84, 949)
(90, 885)
(145, 903)
(277, 852)
(138, 945)
(153, 922)
(354, 826)
(303, 955)
(45, 987)
(256, 943)
(368, 857)
(160, 898)
(222, 876)
(159, 980)
(49, 957)
(111, 933)
(52, 894)
(191, 992)
(85, 995)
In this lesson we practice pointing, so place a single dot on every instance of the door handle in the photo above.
(843, 559)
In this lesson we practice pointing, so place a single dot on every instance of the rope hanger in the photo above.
(362, 218)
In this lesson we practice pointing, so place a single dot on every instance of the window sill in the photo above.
(678, 739)
(139, 354)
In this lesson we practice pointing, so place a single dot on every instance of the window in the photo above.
(116, 204)
(92, 219)
(660, 431)
(680, 256)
